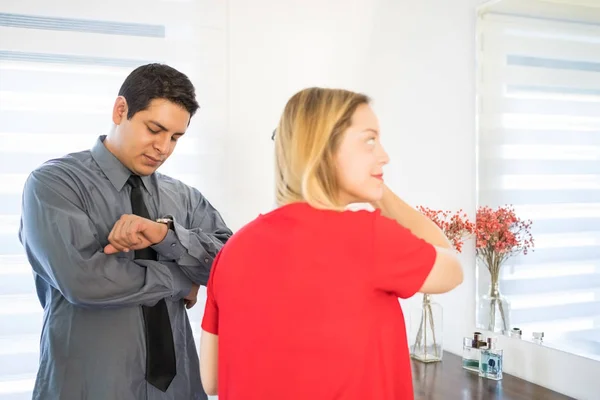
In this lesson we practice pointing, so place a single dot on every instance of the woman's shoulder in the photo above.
(303, 216)
(304, 213)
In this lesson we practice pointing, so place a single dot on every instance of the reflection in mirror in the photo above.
(538, 101)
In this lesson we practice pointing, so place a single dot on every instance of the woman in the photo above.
(303, 301)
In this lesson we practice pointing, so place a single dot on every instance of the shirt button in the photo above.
(172, 244)
(206, 260)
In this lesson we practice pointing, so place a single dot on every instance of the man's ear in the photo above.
(119, 110)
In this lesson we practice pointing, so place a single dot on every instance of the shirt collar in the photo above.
(114, 170)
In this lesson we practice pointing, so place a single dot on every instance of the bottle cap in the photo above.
(491, 342)
(538, 335)
(476, 340)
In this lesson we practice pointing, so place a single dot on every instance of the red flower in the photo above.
(501, 234)
(456, 227)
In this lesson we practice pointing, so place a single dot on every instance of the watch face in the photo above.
(166, 221)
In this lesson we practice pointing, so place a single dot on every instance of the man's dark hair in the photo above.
(157, 81)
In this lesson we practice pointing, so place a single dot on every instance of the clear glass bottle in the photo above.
(471, 352)
(538, 337)
(426, 331)
(490, 364)
(494, 311)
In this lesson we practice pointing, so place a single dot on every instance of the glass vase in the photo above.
(494, 310)
(426, 331)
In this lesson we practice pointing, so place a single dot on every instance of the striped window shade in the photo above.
(61, 66)
(539, 150)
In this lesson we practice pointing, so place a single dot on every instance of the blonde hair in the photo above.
(307, 138)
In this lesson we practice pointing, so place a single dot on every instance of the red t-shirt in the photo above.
(305, 304)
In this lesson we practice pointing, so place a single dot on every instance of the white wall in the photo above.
(421, 77)
(277, 48)
(416, 60)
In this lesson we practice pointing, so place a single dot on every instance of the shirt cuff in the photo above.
(171, 247)
(182, 285)
(175, 246)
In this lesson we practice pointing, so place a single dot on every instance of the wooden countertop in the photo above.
(447, 380)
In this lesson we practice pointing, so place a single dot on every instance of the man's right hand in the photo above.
(192, 297)
(132, 232)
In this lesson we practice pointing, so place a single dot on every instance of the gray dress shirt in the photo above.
(92, 342)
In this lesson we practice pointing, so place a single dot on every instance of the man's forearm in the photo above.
(393, 207)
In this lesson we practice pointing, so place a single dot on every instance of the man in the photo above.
(118, 251)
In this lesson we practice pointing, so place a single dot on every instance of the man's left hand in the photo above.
(192, 297)
(132, 232)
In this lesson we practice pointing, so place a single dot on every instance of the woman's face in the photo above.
(360, 159)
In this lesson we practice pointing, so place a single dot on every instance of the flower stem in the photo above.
(426, 319)
(419, 333)
(435, 348)
(501, 307)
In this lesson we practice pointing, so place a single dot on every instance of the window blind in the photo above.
(539, 150)
(61, 66)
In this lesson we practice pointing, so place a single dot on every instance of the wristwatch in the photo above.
(167, 221)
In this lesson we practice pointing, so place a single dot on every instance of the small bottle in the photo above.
(516, 333)
(538, 337)
(470, 358)
(490, 365)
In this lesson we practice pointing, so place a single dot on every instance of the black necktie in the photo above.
(160, 350)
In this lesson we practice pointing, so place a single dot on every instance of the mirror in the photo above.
(538, 152)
